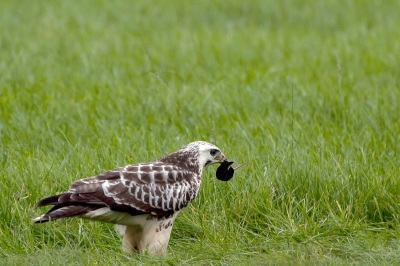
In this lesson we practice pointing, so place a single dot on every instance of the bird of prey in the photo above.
(142, 199)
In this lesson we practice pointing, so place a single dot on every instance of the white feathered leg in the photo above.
(120, 229)
(151, 237)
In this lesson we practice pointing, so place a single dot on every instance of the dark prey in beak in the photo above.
(225, 171)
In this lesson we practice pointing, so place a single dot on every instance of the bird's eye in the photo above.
(213, 152)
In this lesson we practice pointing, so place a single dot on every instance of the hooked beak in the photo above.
(222, 158)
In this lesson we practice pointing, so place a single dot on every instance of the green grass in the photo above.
(306, 92)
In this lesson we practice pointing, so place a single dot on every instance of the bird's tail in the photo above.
(62, 208)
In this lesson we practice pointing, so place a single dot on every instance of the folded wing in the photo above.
(155, 188)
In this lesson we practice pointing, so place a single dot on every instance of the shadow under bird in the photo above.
(142, 199)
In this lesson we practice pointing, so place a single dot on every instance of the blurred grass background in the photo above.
(305, 92)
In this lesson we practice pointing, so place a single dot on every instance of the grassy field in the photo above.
(306, 92)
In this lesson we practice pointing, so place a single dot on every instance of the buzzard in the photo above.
(142, 199)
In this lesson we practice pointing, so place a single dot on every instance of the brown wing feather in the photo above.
(156, 188)
(153, 187)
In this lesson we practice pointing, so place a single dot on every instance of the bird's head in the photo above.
(207, 153)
